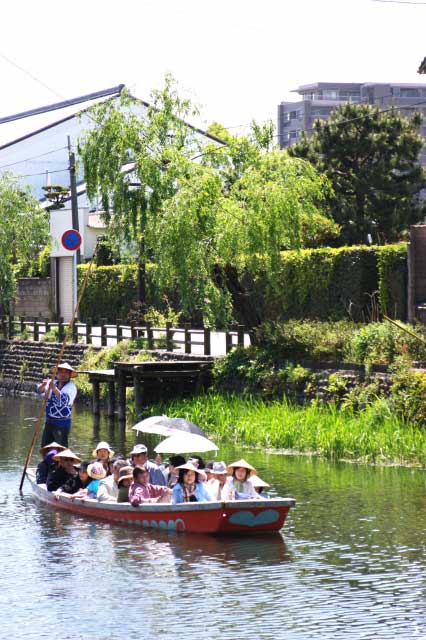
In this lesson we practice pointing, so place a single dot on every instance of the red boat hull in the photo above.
(240, 516)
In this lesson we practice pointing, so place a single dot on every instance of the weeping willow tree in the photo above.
(24, 231)
(185, 214)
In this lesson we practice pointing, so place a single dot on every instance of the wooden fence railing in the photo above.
(101, 333)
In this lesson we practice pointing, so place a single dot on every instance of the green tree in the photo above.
(158, 141)
(195, 207)
(24, 230)
(371, 159)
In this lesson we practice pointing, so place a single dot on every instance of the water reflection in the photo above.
(350, 562)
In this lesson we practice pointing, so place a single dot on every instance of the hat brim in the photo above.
(51, 445)
(130, 477)
(243, 464)
(190, 467)
(73, 457)
(73, 373)
(95, 452)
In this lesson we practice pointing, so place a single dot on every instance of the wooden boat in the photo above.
(239, 516)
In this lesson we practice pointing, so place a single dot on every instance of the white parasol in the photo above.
(185, 443)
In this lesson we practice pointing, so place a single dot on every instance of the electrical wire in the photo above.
(40, 82)
(11, 164)
(397, 2)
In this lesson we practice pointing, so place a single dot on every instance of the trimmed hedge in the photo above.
(110, 291)
(333, 284)
(320, 284)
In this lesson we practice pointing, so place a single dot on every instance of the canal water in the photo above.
(349, 563)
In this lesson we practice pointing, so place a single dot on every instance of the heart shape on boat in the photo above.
(250, 519)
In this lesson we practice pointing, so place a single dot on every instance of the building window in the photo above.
(330, 94)
(293, 115)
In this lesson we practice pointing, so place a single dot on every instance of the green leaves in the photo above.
(371, 159)
(24, 230)
(192, 206)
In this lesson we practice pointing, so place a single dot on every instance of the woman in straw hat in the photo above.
(60, 400)
(189, 487)
(47, 464)
(65, 470)
(238, 485)
(259, 486)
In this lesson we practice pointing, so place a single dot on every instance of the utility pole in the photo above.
(73, 189)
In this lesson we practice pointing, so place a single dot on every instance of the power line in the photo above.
(40, 82)
(11, 164)
(397, 2)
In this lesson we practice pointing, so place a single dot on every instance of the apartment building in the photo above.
(317, 100)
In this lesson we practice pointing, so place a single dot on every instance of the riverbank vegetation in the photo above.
(374, 435)
(271, 396)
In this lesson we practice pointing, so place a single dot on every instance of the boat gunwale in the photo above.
(41, 491)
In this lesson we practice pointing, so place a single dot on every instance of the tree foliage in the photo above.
(371, 159)
(24, 230)
(200, 203)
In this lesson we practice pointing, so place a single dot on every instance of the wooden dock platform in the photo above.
(180, 374)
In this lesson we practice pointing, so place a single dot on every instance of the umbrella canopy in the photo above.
(164, 426)
(185, 443)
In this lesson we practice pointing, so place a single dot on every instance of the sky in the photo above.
(236, 59)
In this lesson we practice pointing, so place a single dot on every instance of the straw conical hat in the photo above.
(51, 445)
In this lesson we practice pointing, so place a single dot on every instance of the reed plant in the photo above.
(374, 435)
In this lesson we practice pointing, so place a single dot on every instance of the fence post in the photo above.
(187, 337)
(21, 326)
(35, 330)
(240, 335)
(74, 333)
(88, 335)
(149, 335)
(118, 330)
(11, 327)
(61, 333)
(133, 330)
(103, 322)
(207, 341)
(169, 336)
(43, 322)
(228, 341)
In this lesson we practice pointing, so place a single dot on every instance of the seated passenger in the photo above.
(198, 462)
(124, 481)
(170, 472)
(96, 471)
(259, 484)
(103, 453)
(208, 471)
(65, 470)
(217, 483)
(190, 486)
(108, 487)
(47, 464)
(139, 458)
(238, 486)
(141, 490)
(78, 482)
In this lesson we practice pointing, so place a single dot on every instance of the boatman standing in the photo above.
(59, 405)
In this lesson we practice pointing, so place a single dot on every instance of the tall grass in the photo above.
(374, 435)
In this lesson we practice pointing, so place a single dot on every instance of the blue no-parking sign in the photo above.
(71, 240)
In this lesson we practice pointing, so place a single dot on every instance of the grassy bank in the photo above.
(373, 435)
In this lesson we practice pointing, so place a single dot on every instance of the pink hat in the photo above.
(96, 471)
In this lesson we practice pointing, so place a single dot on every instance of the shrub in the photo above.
(408, 396)
(310, 340)
(374, 343)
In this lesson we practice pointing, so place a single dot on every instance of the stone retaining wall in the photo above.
(24, 363)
